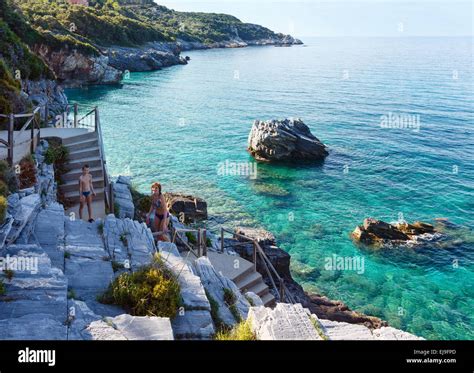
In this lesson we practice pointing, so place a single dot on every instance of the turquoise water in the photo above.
(178, 124)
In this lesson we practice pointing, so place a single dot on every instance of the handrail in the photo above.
(176, 232)
(13, 135)
(25, 126)
(283, 291)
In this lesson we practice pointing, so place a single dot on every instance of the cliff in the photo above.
(94, 44)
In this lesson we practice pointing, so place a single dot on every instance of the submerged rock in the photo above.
(377, 232)
(284, 140)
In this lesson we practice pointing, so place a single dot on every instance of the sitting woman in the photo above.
(158, 213)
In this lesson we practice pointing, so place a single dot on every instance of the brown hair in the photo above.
(156, 186)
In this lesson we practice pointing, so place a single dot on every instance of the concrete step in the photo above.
(84, 154)
(73, 185)
(248, 281)
(75, 139)
(78, 163)
(268, 299)
(246, 271)
(74, 174)
(259, 288)
(89, 143)
(74, 195)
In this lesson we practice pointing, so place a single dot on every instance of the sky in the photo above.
(345, 18)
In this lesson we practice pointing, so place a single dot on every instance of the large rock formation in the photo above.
(74, 68)
(152, 56)
(377, 233)
(123, 197)
(187, 208)
(284, 140)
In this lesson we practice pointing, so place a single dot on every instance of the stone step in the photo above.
(84, 154)
(89, 143)
(79, 138)
(248, 281)
(73, 174)
(247, 270)
(76, 164)
(73, 185)
(268, 299)
(259, 288)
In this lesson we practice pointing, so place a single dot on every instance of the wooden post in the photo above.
(96, 118)
(282, 291)
(11, 128)
(32, 133)
(111, 198)
(75, 115)
(222, 240)
(199, 242)
(204, 240)
(254, 256)
(46, 115)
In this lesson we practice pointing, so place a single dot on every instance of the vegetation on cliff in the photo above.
(106, 22)
(150, 291)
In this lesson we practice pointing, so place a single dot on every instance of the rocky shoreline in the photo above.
(192, 209)
(320, 305)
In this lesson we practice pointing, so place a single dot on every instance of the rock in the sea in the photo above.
(377, 232)
(186, 207)
(284, 140)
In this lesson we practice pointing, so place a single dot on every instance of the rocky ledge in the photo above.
(284, 140)
(152, 56)
(378, 233)
(187, 208)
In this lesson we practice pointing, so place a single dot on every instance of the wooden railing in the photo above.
(283, 292)
(201, 241)
(33, 122)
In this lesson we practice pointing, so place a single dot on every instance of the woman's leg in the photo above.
(164, 228)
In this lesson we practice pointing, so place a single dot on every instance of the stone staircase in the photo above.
(83, 149)
(243, 274)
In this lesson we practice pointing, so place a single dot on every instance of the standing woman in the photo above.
(158, 212)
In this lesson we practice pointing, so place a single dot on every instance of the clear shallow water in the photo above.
(178, 124)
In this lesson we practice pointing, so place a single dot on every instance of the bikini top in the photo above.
(157, 203)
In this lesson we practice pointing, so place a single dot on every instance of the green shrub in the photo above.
(3, 290)
(150, 291)
(3, 209)
(229, 296)
(116, 266)
(7, 174)
(3, 189)
(56, 154)
(240, 332)
(191, 238)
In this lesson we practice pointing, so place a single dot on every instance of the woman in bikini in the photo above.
(158, 212)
